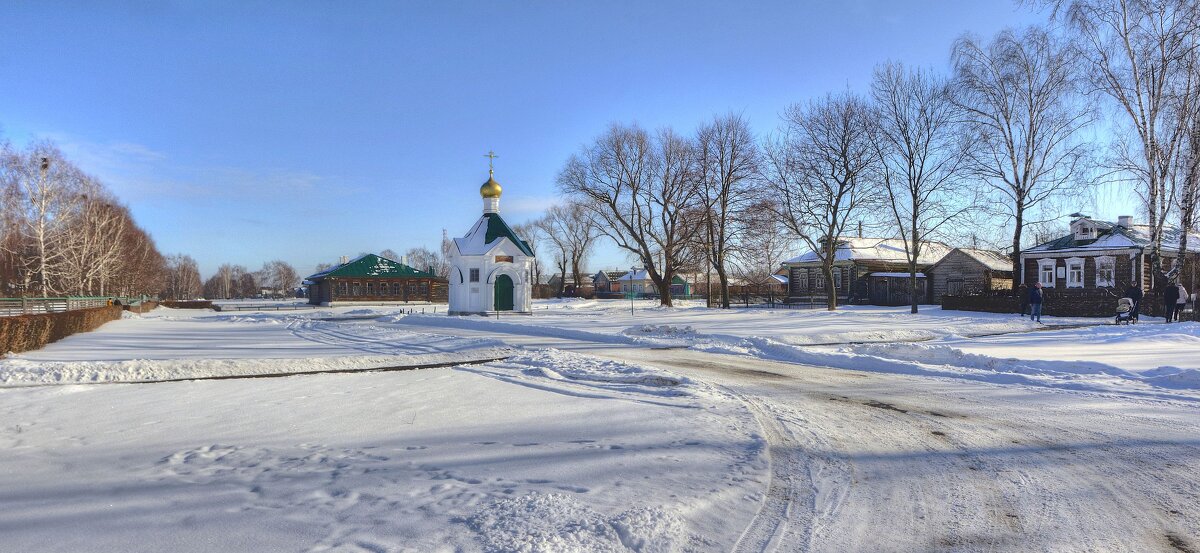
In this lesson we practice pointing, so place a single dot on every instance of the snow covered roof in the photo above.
(991, 259)
(610, 275)
(895, 275)
(642, 274)
(370, 265)
(877, 249)
(484, 236)
(1111, 236)
(781, 278)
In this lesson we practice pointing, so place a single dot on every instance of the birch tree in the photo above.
(1142, 54)
(1017, 95)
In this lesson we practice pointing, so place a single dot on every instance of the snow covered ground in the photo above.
(182, 343)
(669, 430)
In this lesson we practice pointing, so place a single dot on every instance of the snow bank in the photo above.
(16, 371)
(942, 361)
(661, 334)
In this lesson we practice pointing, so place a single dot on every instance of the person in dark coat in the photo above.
(1170, 298)
(1134, 293)
(1035, 302)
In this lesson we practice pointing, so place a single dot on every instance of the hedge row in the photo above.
(29, 332)
(143, 307)
(190, 304)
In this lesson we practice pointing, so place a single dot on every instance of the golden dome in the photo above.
(490, 189)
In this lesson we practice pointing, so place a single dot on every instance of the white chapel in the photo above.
(490, 267)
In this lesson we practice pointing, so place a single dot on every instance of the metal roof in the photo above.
(371, 265)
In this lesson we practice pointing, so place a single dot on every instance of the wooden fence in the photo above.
(32, 306)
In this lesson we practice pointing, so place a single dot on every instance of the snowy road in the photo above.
(877, 462)
(648, 438)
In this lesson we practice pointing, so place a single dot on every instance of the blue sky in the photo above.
(248, 131)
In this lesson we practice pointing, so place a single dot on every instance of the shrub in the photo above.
(29, 332)
(189, 304)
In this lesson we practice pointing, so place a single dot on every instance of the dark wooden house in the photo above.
(968, 271)
(865, 271)
(374, 279)
(1100, 254)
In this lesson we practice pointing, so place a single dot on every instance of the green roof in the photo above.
(497, 228)
(372, 265)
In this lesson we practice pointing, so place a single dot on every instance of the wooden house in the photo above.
(968, 271)
(585, 285)
(865, 271)
(1100, 254)
(640, 284)
(606, 284)
(373, 279)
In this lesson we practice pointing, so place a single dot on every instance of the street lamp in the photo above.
(632, 270)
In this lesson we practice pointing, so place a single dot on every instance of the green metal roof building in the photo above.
(371, 279)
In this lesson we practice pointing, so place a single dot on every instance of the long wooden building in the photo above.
(865, 271)
(374, 279)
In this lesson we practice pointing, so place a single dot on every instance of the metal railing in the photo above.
(30, 306)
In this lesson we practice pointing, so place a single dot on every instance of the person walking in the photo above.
(1134, 293)
(1181, 302)
(1035, 302)
(1170, 299)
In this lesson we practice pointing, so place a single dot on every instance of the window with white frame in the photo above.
(837, 278)
(1075, 272)
(1046, 272)
(1106, 271)
(819, 282)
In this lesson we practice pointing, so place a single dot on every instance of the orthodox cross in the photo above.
(491, 156)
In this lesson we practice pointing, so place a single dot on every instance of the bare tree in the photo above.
(1189, 189)
(570, 232)
(638, 188)
(45, 189)
(546, 232)
(762, 244)
(1143, 55)
(528, 232)
(280, 276)
(1016, 94)
(425, 259)
(921, 157)
(727, 162)
(822, 171)
(183, 278)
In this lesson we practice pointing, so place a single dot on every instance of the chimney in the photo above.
(343, 260)
(1125, 221)
(404, 260)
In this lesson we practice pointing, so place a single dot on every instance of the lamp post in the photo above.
(632, 270)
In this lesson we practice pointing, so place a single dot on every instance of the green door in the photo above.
(504, 293)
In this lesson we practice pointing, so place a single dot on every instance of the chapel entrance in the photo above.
(504, 293)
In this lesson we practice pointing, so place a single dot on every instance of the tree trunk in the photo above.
(912, 284)
(664, 291)
(830, 289)
(723, 278)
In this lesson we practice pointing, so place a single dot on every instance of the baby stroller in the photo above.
(1125, 311)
